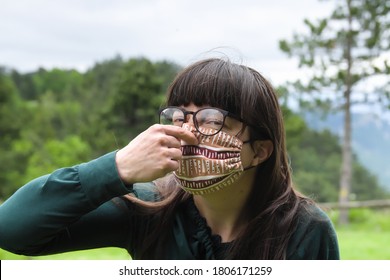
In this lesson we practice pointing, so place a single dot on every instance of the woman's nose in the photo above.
(189, 127)
(189, 118)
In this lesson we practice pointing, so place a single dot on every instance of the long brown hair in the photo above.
(272, 207)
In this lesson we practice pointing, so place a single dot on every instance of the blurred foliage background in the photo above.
(52, 118)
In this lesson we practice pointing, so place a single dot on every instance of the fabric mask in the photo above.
(212, 165)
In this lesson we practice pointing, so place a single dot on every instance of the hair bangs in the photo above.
(207, 83)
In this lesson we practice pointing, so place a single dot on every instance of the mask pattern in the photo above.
(211, 165)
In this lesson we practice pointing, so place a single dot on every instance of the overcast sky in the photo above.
(78, 33)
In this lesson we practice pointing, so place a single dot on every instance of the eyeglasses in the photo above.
(207, 121)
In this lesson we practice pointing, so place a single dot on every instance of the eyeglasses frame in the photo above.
(186, 113)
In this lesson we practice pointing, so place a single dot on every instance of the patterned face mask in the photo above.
(211, 165)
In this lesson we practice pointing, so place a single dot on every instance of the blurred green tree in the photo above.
(12, 120)
(116, 100)
(344, 53)
(139, 94)
(316, 160)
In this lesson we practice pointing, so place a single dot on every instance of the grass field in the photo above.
(366, 238)
(364, 245)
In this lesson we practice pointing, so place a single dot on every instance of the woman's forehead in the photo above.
(192, 107)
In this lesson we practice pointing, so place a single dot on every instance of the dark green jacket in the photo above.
(78, 208)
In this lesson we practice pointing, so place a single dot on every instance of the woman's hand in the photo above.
(153, 153)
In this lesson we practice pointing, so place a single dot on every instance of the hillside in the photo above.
(370, 140)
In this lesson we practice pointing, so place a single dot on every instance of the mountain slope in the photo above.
(370, 140)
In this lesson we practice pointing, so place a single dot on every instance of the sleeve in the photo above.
(70, 209)
(314, 239)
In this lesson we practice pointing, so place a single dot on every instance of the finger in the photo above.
(172, 166)
(175, 154)
(182, 134)
(172, 142)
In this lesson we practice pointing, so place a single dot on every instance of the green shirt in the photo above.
(78, 208)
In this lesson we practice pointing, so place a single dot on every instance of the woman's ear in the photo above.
(263, 150)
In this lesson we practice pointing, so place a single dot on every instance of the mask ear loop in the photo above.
(246, 142)
(241, 132)
(252, 166)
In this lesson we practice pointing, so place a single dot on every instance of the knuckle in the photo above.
(173, 165)
(164, 154)
(167, 167)
(156, 127)
(162, 141)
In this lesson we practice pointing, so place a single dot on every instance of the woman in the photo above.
(225, 189)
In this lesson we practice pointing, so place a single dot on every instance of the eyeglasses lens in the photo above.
(210, 118)
(206, 120)
(172, 116)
